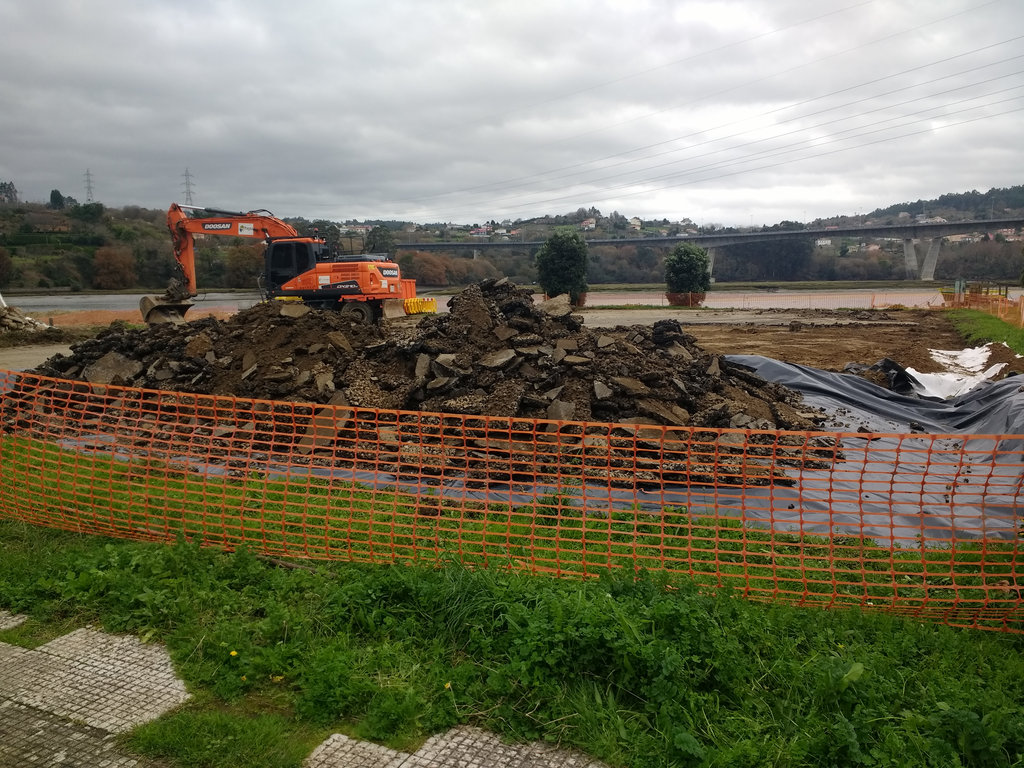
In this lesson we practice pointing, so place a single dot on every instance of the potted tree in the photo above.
(562, 266)
(687, 277)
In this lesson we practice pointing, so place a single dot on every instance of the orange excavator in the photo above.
(365, 287)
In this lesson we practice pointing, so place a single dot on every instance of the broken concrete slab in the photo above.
(498, 359)
(326, 424)
(559, 306)
(112, 368)
(293, 309)
(339, 341)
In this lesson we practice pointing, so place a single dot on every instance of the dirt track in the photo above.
(818, 338)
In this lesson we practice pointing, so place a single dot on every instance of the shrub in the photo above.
(686, 269)
(562, 265)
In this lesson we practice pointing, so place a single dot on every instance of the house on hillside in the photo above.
(588, 225)
(635, 224)
(356, 229)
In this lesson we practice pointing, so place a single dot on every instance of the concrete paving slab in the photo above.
(62, 703)
(10, 620)
(29, 737)
(468, 747)
(108, 682)
(461, 747)
(339, 751)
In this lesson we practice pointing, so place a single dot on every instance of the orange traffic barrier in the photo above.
(928, 526)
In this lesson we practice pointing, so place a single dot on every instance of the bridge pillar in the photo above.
(910, 256)
(711, 260)
(932, 257)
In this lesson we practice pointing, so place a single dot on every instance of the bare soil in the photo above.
(904, 336)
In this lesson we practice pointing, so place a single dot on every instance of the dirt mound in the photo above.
(495, 353)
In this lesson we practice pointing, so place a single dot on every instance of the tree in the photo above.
(243, 264)
(379, 240)
(8, 193)
(113, 268)
(56, 200)
(562, 265)
(90, 212)
(766, 260)
(6, 268)
(686, 269)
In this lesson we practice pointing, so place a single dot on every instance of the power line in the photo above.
(802, 129)
(188, 187)
(738, 134)
(719, 176)
(720, 49)
(586, 167)
(506, 183)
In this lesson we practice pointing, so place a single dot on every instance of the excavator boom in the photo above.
(254, 224)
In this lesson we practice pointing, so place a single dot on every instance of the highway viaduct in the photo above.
(911, 234)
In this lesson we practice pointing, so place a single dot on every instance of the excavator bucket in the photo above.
(160, 310)
(392, 308)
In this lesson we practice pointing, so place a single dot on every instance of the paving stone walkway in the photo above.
(62, 703)
(462, 747)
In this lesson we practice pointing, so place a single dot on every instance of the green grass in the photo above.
(640, 670)
(210, 735)
(980, 327)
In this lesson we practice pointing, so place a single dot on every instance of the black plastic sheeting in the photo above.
(893, 488)
(991, 408)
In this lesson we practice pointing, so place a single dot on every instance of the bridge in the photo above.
(928, 235)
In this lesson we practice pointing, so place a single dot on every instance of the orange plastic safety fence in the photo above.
(1008, 310)
(922, 525)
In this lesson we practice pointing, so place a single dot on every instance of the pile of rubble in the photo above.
(496, 353)
(13, 319)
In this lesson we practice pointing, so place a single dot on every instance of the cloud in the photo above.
(750, 110)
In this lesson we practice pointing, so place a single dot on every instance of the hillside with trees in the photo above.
(66, 245)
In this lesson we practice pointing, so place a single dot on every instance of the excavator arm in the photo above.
(255, 224)
(172, 306)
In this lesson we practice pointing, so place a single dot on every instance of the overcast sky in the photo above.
(732, 112)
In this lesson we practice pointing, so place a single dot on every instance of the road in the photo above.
(23, 358)
(41, 305)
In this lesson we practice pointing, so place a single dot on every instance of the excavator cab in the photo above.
(286, 259)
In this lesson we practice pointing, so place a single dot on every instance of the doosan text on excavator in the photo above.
(365, 287)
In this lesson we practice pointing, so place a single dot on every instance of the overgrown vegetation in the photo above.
(67, 245)
(980, 327)
(644, 671)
